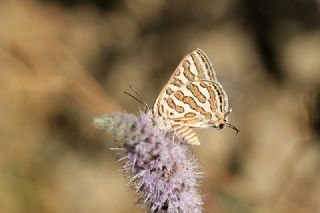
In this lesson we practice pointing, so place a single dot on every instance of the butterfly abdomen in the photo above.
(186, 133)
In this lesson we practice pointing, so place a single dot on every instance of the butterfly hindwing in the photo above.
(195, 104)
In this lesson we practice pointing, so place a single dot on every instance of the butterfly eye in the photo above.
(221, 126)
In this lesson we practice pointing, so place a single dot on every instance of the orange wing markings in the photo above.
(176, 82)
(190, 101)
(174, 106)
(171, 103)
(196, 92)
(212, 99)
(207, 63)
(219, 89)
(179, 95)
(190, 115)
(197, 65)
(193, 105)
(187, 72)
(179, 109)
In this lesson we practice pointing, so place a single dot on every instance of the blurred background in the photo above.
(64, 61)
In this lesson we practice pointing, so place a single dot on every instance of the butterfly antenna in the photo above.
(140, 97)
(135, 98)
(233, 127)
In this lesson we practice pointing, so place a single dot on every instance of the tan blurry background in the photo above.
(64, 61)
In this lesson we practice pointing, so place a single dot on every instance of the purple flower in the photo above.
(162, 171)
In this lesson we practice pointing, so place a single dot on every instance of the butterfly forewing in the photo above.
(194, 66)
(195, 104)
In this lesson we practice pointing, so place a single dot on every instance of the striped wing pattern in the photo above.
(194, 66)
(192, 98)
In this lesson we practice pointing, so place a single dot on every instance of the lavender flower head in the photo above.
(162, 171)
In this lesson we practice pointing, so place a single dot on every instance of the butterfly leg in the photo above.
(173, 134)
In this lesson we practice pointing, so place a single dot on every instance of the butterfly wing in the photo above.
(195, 66)
(196, 104)
(192, 97)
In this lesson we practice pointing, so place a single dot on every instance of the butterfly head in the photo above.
(222, 121)
(220, 125)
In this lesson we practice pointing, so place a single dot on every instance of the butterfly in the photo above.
(192, 98)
